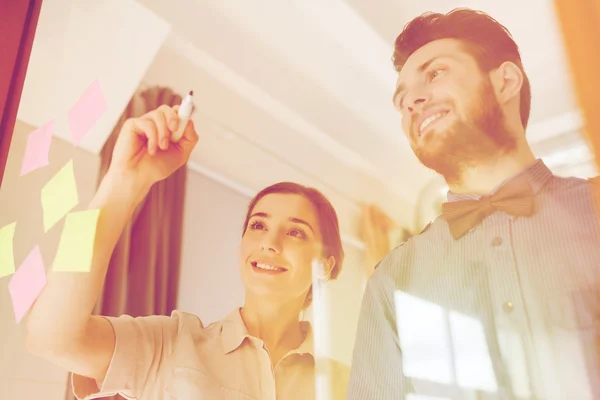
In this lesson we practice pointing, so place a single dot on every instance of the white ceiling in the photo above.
(291, 90)
(323, 71)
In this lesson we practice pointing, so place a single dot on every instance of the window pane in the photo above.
(471, 355)
(515, 361)
(411, 396)
(424, 339)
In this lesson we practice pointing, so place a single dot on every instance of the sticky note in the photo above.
(7, 257)
(27, 283)
(86, 112)
(36, 150)
(76, 246)
(59, 196)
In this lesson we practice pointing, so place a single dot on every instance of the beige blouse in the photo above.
(176, 357)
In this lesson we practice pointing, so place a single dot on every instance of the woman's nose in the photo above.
(271, 243)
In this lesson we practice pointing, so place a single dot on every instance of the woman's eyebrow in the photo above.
(303, 222)
(291, 219)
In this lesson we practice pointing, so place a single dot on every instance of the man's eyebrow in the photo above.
(422, 67)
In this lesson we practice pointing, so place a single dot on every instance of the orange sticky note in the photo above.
(36, 150)
(59, 196)
(7, 257)
(27, 283)
(76, 247)
(86, 112)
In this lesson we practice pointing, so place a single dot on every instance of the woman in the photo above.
(261, 351)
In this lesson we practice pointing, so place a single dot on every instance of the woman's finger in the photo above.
(171, 116)
(190, 137)
(146, 127)
(160, 120)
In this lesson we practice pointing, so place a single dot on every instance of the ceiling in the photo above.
(290, 90)
(323, 71)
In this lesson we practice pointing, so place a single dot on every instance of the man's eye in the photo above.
(401, 103)
(434, 73)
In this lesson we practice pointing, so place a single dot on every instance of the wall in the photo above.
(210, 285)
(23, 376)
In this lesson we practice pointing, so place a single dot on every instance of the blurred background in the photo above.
(285, 91)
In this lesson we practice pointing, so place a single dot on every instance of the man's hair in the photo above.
(489, 42)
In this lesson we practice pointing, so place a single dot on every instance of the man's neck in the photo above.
(485, 177)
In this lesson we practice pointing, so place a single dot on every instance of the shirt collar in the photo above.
(233, 333)
(537, 174)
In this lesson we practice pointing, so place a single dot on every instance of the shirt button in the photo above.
(508, 307)
(497, 241)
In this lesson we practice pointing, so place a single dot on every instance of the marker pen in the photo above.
(184, 113)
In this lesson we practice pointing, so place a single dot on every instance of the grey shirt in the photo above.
(509, 310)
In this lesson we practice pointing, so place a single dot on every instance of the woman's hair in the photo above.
(489, 42)
(328, 221)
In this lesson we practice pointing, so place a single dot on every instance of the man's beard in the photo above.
(470, 143)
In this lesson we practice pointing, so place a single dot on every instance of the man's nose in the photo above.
(417, 104)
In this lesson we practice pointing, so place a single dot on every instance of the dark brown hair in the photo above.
(489, 42)
(328, 221)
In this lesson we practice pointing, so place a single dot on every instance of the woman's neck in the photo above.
(276, 323)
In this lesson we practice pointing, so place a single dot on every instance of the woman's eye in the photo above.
(257, 225)
(297, 233)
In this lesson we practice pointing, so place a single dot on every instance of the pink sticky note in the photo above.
(86, 112)
(36, 150)
(27, 283)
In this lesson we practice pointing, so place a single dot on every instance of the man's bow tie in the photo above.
(516, 198)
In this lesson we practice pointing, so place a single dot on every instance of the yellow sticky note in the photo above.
(7, 256)
(76, 246)
(59, 196)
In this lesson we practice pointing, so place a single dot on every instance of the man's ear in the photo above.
(507, 81)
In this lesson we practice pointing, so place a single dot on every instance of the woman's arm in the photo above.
(60, 325)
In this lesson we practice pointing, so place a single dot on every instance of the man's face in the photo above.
(449, 109)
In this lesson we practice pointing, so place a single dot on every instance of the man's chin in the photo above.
(431, 141)
(429, 154)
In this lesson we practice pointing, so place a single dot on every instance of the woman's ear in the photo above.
(322, 268)
(328, 266)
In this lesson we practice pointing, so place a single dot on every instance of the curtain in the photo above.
(377, 230)
(18, 30)
(580, 24)
(143, 274)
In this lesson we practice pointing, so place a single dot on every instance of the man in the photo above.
(499, 295)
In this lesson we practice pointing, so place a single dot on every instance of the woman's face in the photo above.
(282, 239)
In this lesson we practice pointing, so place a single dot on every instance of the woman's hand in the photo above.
(144, 152)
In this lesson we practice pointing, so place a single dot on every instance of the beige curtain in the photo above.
(579, 21)
(143, 274)
(580, 24)
(376, 230)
